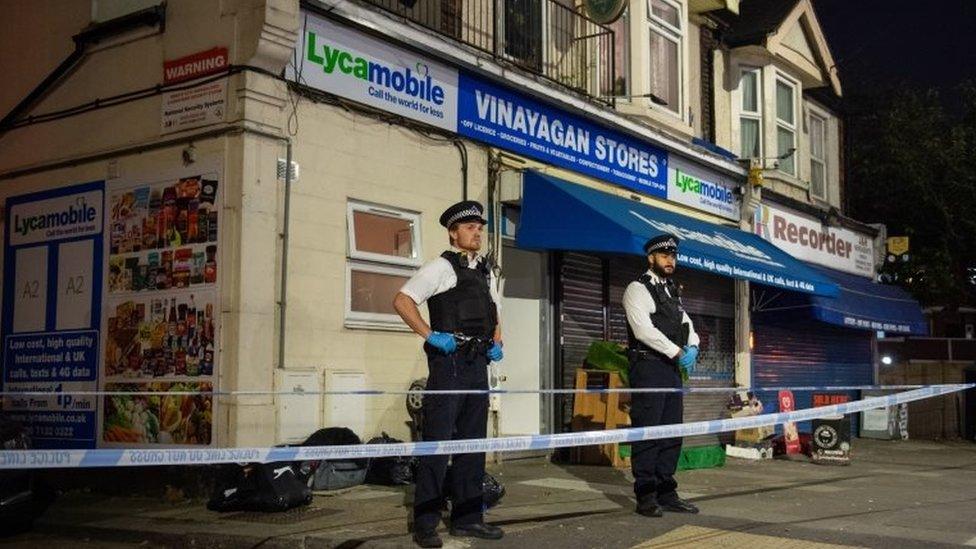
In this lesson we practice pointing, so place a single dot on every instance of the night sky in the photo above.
(891, 43)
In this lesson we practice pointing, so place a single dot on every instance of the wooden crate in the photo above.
(599, 411)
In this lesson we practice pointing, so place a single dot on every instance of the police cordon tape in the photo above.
(48, 459)
(375, 392)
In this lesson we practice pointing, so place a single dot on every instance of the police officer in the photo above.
(463, 336)
(661, 339)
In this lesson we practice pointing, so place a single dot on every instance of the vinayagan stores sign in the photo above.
(806, 238)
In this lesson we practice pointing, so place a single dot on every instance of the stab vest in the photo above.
(467, 308)
(667, 315)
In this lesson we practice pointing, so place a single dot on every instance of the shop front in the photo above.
(803, 340)
(597, 236)
(506, 133)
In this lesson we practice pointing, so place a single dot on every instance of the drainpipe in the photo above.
(463, 152)
(282, 299)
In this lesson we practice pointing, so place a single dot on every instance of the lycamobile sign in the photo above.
(714, 197)
(61, 217)
(72, 215)
(691, 184)
(353, 65)
(375, 72)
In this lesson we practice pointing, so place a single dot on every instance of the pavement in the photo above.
(893, 494)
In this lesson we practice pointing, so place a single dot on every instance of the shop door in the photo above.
(525, 304)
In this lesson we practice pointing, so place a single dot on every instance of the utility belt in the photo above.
(638, 355)
(471, 346)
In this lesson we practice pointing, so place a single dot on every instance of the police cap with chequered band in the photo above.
(662, 243)
(467, 210)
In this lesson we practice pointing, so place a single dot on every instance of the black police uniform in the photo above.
(654, 462)
(466, 309)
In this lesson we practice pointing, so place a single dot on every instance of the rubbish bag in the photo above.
(393, 470)
(493, 490)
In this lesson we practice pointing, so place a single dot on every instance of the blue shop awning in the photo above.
(557, 215)
(861, 304)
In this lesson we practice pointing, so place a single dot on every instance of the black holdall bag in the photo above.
(333, 474)
(392, 470)
(267, 487)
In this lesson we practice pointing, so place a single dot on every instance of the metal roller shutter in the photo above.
(809, 353)
(707, 294)
(581, 321)
(710, 302)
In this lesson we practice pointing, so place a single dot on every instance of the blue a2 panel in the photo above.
(52, 282)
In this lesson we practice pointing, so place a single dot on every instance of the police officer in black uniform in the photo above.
(661, 339)
(464, 335)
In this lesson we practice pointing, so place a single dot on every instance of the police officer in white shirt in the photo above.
(464, 335)
(661, 339)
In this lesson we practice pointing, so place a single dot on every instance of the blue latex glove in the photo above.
(444, 342)
(495, 353)
(689, 358)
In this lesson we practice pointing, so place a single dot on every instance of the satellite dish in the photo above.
(604, 11)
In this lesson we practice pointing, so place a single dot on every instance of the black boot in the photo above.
(478, 530)
(649, 507)
(427, 539)
(674, 504)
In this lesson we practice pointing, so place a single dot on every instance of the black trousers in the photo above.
(653, 462)
(448, 417)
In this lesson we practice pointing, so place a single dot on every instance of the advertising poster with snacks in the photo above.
(161, 312)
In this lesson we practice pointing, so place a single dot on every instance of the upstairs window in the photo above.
(786, 125)
(666, 45)
(818, 158)
(621, 57)
(750, 114)
(522, 24)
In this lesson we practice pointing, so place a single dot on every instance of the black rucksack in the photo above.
(258, 487)
(390, 471)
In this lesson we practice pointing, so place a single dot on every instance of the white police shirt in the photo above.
(437, 276)
(639, 306)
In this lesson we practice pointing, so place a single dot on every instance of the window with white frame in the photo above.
(383, 234)
(666, 45)
(370, 289)
(750, 113)
(786, 110)
(818, 157)
(384, 252)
